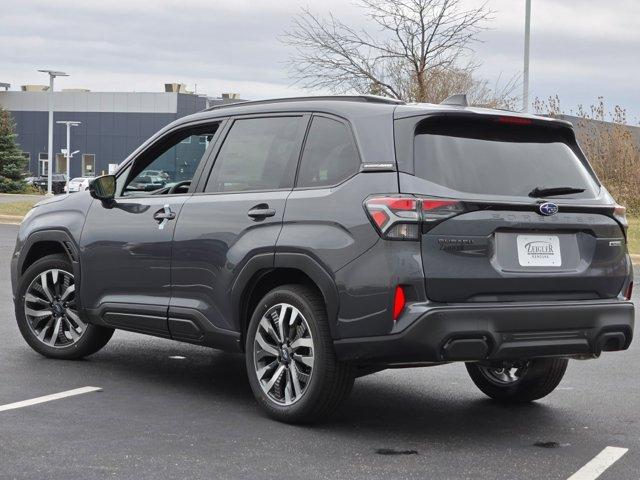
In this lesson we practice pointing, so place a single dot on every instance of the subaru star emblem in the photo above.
(548, 208)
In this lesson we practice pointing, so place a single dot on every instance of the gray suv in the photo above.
(332, 237)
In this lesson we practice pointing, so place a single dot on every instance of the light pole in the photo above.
(69, 124)
(527, 38)
(52, 74)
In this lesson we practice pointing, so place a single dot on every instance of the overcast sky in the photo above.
(581, 49)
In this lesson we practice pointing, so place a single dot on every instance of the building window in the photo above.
(88, 165)
(61, 163)
(43, 164)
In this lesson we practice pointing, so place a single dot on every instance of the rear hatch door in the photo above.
(511, 233)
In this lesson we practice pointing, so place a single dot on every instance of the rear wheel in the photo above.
(290, 361)
(48, 313)
(518, 382)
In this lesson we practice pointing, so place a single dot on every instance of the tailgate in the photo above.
(494, 255)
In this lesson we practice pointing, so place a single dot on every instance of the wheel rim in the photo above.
(505, 374)
(51, 310)
(283, 354)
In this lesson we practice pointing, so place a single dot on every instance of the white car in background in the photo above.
(78, 184)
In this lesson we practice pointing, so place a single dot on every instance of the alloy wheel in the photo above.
(283, 354)
(51, 310)
(506, 373)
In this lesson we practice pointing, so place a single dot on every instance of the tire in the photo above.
(90, 338)
(539, 378)
(329, 381)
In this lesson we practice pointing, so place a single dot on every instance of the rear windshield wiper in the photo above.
(552, 191)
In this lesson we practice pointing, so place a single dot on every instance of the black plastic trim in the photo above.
(320, 277)
(506, 331)
(191, 326)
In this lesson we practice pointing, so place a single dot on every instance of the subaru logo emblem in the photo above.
(548, 208)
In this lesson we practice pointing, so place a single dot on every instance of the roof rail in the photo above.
(459, 100)
(344, 98)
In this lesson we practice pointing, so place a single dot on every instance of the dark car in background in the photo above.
(58, 183)
(332, 237)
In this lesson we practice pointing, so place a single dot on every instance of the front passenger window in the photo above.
(170, 164)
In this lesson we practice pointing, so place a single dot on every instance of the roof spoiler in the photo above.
(459, 100)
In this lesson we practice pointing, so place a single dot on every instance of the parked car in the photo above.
(58, 183)
(156, 173)
(147, 183)
(329, 238)
(79, 184)
(28, 178)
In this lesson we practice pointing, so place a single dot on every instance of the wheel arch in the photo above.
(264, 273)
(48, 242)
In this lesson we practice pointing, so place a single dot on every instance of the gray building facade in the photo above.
(113, 124)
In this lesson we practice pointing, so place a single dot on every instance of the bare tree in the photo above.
(419, 51)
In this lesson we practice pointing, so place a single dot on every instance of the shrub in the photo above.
(612, 147)
(12, 161)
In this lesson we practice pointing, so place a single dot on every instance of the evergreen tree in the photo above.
(12, 160)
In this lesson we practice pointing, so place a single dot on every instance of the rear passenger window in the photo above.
(258, 154)
(330, 155)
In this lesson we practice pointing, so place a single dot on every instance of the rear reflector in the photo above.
(398, 302)
(399, 217)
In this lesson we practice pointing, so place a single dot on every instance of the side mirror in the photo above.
(103, 188)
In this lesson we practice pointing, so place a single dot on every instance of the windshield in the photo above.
(488, 157)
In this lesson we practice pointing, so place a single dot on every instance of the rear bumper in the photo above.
(500, 331)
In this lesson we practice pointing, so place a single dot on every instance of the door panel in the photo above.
(126, 245)
(237, 218)
(214, 238)
(126, 259)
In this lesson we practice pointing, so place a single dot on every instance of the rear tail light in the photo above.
(399, 217)
(629, 291)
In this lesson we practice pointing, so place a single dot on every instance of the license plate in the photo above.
(539, 251)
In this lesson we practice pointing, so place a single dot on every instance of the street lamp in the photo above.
(52, 74)
(527, 38)
(69, 124)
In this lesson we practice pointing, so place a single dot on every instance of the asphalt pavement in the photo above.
(171, 410)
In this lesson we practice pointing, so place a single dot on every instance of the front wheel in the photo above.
(48, 312)
(518, 382)
(290, 360)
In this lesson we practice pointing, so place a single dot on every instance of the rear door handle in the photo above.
(261, 211)
(163, 216)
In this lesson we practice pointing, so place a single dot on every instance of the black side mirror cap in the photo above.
(103, 188)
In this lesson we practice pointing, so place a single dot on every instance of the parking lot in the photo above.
(171, 410)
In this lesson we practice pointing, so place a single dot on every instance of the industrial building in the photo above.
(113, 124)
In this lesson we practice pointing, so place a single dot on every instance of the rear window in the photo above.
(493, 158)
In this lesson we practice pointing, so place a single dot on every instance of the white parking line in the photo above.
(599, 464)
(48, 398)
